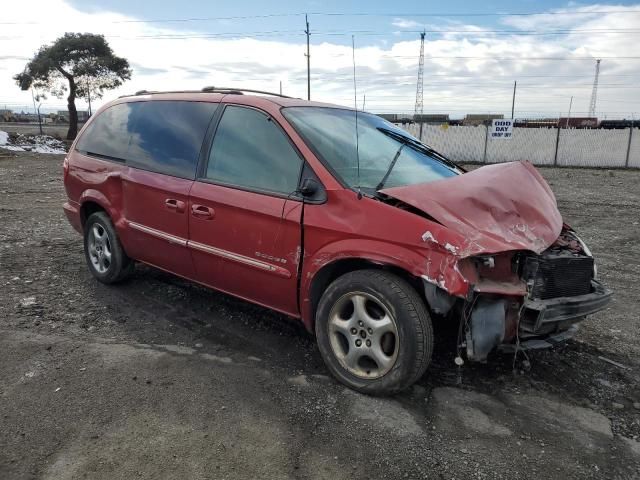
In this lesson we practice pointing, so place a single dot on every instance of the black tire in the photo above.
(412, 321)
(119, 266)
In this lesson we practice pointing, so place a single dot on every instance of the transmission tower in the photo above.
(419, 90)
(594, 92)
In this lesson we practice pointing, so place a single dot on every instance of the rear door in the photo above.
(245, 232)
(162, 156)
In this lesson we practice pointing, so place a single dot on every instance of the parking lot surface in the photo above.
(161, 378)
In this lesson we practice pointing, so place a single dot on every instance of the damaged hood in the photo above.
(496, 208)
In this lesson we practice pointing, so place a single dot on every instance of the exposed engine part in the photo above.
(489, 262)
(557, 273)
(439, 300)
(486, 329)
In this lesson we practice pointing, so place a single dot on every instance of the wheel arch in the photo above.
(93, 201)
(88, 208)
(329, 272)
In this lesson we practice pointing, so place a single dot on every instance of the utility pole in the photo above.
(566, 125)
(364, 101)
(280, 87)
(419, 110)
(308, 55)
(594, 91)
(513, 102)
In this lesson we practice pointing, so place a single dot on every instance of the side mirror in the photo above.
(308, 187)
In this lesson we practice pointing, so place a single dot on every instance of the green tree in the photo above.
(75, 63)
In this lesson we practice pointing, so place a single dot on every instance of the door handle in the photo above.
(201, 211)
(175, 205)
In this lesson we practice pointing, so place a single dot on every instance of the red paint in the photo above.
(496, 208)
(250, 244)
(248, 225)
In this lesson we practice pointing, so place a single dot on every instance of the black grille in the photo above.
(556, 274)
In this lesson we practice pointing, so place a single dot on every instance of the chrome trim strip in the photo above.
(159, 234)
(283, 272)
(267, 267)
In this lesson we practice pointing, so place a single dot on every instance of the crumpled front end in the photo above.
(526, 300)
(499, 254)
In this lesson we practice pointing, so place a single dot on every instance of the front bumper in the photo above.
(534, 324)
(538, 343)
(556, 314)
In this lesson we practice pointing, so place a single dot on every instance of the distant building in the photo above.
(481, 118)
(26, 117)
(397, 117)
(63, 115)
(578, 122)
(7, 115)
(431, 118)
(536, 122)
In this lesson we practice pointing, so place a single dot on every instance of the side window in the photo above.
(108, 134)
(167, 136)
(250, 151)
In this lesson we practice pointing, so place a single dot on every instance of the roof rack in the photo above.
(240, 91)
(226, 90)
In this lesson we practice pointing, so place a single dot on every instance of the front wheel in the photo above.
(374, 332)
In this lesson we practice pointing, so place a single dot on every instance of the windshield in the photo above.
(331, 133)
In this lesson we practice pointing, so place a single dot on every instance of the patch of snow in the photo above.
(32, 143)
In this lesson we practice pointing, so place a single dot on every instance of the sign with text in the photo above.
(501, 129)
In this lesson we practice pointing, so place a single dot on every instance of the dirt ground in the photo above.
(160, 378)
(55, 130)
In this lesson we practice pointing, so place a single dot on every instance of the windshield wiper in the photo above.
(419, 146)
(391, 165)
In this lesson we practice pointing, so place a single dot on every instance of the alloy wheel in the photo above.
(363, 335)
(99, 248)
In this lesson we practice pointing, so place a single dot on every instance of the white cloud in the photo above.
(454, 83)
(404, 23)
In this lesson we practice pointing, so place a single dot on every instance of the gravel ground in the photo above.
(55, 130)
(161, 378)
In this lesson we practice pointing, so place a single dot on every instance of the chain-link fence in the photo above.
(541, 146)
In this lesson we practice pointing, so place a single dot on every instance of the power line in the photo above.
(357, 14)
(475, 14)
(339, 33)
(592, 32)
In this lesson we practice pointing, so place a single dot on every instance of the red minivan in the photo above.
(332, 216)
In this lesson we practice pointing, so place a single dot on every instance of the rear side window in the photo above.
(249, 150)
(108, 134)
(159, 136)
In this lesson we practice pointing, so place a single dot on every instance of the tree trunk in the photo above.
(73, 113)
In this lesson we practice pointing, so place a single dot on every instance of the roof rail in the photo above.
(226, 90)
(240, 91)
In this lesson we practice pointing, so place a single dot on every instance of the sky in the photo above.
(474, 51)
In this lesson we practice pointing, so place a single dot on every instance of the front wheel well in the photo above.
(327, 274)
(88, 208)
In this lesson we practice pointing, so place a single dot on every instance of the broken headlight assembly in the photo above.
(588, 253)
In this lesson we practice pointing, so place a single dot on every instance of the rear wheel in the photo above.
(105, 257)
(374, 332)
